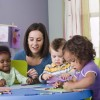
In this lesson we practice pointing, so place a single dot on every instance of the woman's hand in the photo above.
(29, 80)
(32, 73)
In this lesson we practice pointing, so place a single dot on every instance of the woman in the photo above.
(36, 50)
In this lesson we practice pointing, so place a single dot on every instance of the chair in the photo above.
(88, 98)
(21, 66)
(97, 61)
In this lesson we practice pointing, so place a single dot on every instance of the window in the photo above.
(95, 24)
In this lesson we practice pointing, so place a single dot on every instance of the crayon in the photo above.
(31, 94)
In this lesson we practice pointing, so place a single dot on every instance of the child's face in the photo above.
(5, 62)
(57, 57)
(70, 58)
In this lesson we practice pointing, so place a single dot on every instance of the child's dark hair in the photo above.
(5, 49)
(58, 43)
(81, 47)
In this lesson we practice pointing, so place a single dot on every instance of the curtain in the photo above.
(99, 29)
(72, 18)
(77, 20)
(85, 18)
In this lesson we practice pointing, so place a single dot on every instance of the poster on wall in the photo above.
(10, 35)
(4, 31)
(15, 37)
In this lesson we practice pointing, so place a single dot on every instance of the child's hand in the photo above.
(32, 73)
(46, 76)
(29, 80)
(58, 84)
(2, 82)
(68, 86)
(5, 89)
(64, 76)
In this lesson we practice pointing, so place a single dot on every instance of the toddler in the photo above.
(58, 70)
(79, 52)
(8, 74)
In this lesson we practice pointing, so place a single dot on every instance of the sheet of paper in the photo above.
(59, 90)
(25, 86)
(4, 31)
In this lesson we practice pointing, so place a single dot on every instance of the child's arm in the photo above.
(45, 75)
(22, 79)
(2, 80)
(59, 84)
(65, 76)
(82, 84)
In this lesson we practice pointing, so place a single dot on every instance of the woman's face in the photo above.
(35, 41)
(70, 58)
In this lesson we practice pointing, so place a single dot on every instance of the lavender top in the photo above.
(91, 67)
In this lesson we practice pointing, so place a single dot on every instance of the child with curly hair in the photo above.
(79, 52)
